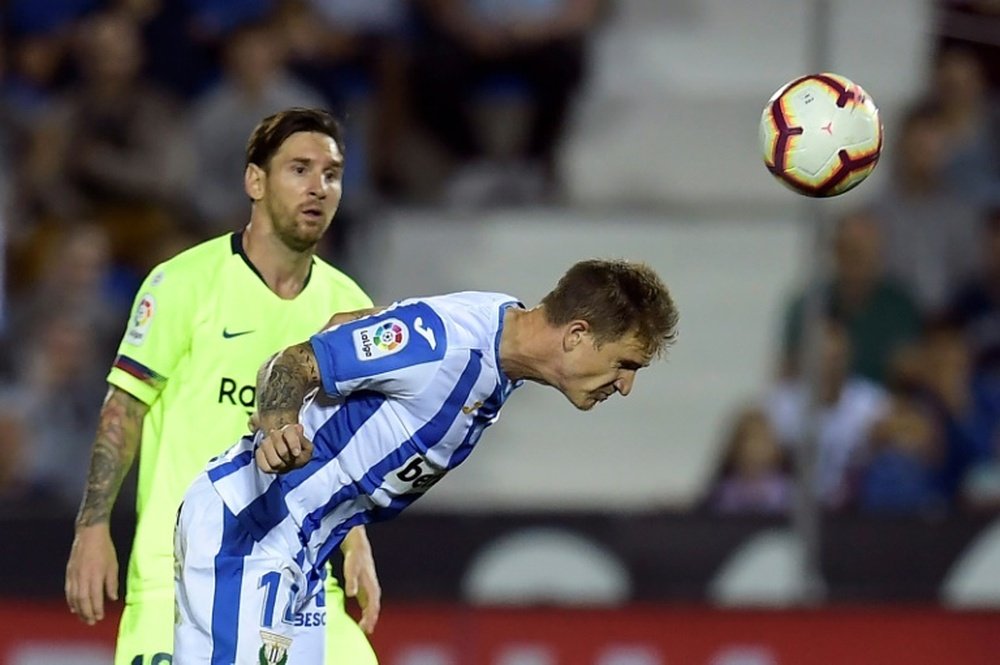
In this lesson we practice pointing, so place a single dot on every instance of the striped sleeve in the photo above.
(393, 352)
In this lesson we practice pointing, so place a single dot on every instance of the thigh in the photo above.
(145, 634)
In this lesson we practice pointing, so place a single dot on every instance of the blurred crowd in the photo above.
(903, 403)
(123, 126)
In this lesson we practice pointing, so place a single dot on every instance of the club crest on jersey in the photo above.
(274, 651)
(381, 339)
(141, 320)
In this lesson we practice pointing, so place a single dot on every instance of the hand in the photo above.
(91, 572)
(360, 578)
(284, 449)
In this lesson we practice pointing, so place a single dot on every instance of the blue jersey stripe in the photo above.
(236, 544)
(266, 512)
(232, 466)
(269, 509)
(428, 435)
(338, 431)
(338, 535)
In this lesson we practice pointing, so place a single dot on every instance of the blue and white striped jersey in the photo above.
(406, 395)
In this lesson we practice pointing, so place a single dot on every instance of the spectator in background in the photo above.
(39, 35)
(61, 374)
(971, 119)
(975, 307)
(877, 312)
(965, 408)
(848, 406)
(17, 491)
(464, 44)
(936, 375)
(903, 460)
(929, 228)
(177, 56)
(115, 149)
(755, 474)
(75, 275)
(355, 53)
(255, 83)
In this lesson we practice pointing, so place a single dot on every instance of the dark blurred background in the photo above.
(491, 143)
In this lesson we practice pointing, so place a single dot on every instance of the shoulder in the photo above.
(338, 282)
(194, 261)
(192, 270)
(415, 325)
(473, 317)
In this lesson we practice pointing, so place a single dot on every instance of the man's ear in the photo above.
(253, 182)
(574, 334)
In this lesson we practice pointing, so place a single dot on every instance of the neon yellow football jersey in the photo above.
(203, 323)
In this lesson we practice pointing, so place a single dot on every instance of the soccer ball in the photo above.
(820, 134)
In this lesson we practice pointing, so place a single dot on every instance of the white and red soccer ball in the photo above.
(820, 134)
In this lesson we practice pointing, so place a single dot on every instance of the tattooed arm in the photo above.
(92, 569)
(282, 385)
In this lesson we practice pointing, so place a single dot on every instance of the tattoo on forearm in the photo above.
(283, 385)
(117, 440)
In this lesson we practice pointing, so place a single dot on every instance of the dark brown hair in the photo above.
(616, 298)
(273, 130)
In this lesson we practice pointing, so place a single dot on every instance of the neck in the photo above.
(284, 270)
(525, 333)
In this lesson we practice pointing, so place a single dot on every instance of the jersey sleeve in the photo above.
(158, 333)
(394, 352)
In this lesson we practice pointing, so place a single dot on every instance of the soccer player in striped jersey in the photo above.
(184, 381)
(366, 416)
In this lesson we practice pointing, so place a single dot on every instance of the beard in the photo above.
(296, 237)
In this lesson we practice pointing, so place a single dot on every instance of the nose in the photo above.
(624, 383)
(316, 187)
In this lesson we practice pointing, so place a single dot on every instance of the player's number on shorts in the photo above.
(270, 582)
(155, 659)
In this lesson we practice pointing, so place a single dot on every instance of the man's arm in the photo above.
(92, 569)
(282, 384)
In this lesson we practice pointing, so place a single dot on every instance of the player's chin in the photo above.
(312, 226)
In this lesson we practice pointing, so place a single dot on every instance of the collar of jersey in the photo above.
(504, 379)
(236, 242)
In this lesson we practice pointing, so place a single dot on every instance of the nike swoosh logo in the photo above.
(468, 410)
(229, 335)
(426, 333)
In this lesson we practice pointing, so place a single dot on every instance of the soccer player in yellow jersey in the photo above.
(183, 384)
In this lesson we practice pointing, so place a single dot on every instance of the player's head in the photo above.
(614, 317)
(294, 173)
